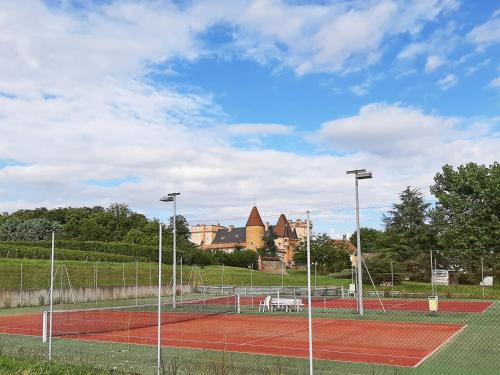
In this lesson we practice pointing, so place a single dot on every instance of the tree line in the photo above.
(112, 230)
(461, 228)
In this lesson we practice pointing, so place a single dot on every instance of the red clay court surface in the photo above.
(374, 342)
(390, 304)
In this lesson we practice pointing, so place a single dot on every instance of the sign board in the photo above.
(487, 281)
(353, 260)
(440, 277)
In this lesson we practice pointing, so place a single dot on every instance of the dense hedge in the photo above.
(37, 252)
(127, 249)
(189, 255)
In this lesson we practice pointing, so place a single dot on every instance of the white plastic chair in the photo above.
(265, 304)
(352, 290)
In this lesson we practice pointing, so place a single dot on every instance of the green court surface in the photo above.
(475, 350)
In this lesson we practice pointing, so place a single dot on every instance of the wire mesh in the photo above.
(245, 303)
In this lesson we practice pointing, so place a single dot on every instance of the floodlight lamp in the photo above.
(355, 171)
(169, 197)
(363, 175)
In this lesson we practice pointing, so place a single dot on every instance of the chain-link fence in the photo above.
(243, 307)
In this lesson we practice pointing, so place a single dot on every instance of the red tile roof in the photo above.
(283, 228)
(254, 220)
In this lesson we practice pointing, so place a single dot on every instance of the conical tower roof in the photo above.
(254, 220)
(283, 228)
(281, 225)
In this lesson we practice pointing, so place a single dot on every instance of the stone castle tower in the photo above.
(254, 231)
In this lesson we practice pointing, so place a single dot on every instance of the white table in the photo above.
(286, 303)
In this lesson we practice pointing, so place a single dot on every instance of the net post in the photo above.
(44, 329)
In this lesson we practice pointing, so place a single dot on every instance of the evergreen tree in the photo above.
(408, 236)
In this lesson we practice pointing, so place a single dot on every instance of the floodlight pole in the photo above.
(158, 370)
(174, 259)
(359, 260)
(359, 174)
(171, 197)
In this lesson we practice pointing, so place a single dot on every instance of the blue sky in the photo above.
(234, 101)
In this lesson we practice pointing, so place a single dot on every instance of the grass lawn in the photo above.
(35, 275)
(38, 366)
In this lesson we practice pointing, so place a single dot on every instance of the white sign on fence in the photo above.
(487, 281)
(440, 277)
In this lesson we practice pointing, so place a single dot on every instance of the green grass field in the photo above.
(36, 274)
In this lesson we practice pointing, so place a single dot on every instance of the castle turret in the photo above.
(254, 231)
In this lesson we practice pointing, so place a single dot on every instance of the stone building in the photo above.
(287, 235)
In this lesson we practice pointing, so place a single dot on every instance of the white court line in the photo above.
(489, 307)
(284, 334)
(442, 345)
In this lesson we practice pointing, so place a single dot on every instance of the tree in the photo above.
(181, 226)
(466, 219)
(270, 249)
(135, 236)
(93, 230)
(406, 226)
(408, 236)
(327, 253)
(38, 229)
(369, 239)
(383, 269)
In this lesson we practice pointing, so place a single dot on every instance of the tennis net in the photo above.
(119, 318)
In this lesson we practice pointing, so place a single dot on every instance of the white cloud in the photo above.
(258, 129)
(361, 89)
(342, 36)
(433, 62)
(495, 82)
(77, 109)
(448, 81)
(487, 33)
(440, 44)
(385, 130)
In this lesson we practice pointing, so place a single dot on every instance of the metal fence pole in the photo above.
(136, 281)
(182, 292)
(21, 286)
(51, 308)
(309, 299)
(432, 283)
(482, 275)
(95, 282)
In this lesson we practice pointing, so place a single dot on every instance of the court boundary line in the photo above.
(441, 346)
(492, 303)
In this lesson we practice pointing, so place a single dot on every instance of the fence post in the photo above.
(95, 282)
(482, 274)
(21, 295)
(136, 280)
(309, 299)
(52, 256)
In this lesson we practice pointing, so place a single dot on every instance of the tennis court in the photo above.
(375, 342)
